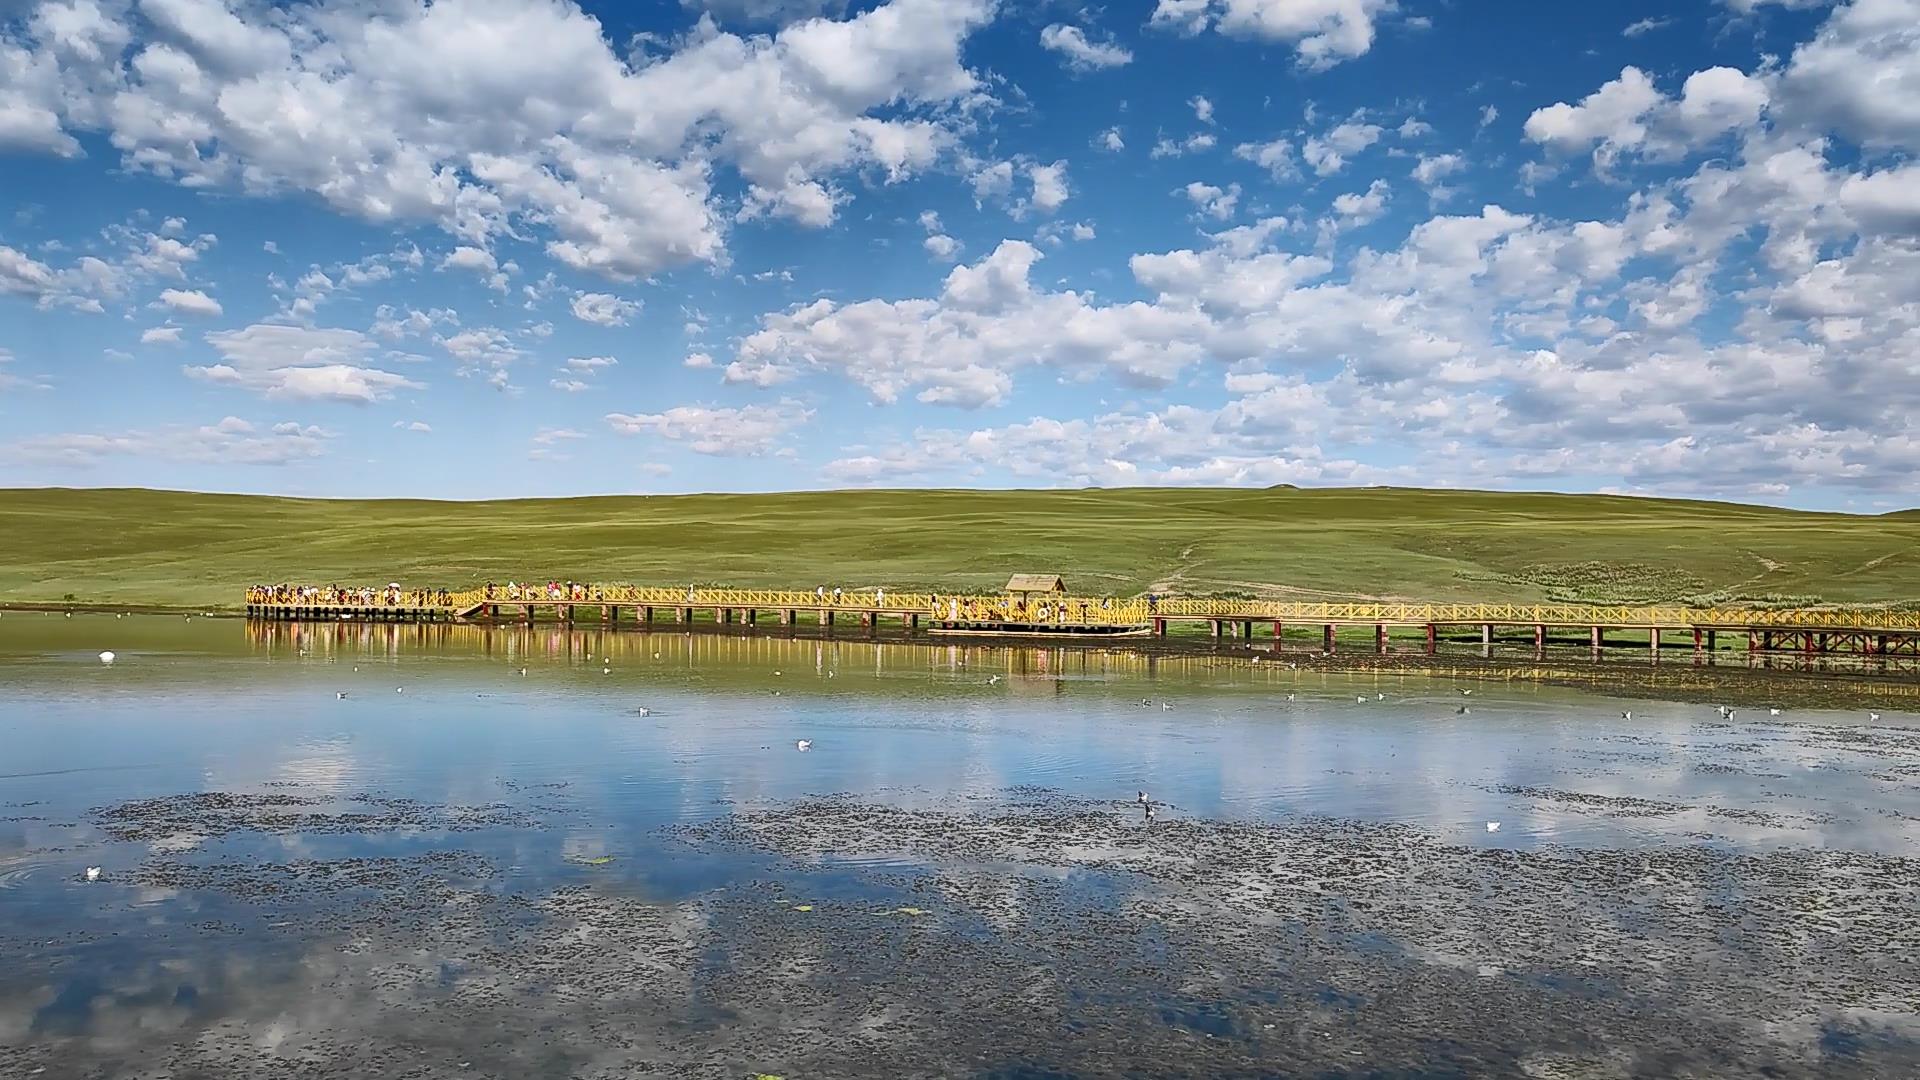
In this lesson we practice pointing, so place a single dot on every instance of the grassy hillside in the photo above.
(137, 546)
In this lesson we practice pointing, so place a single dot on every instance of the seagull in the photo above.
(1626, 716)
(339, 695)
(93, 873)
(1466, 691)
(991, 679)
(1493, 826)
(1379, 697)
(776, 674)
(523, 671)
(803, 745)
(606, 671)
(1873, 716)
(1166, 704)
(1289, 697)
(1256, 660)
(644, 711)
(1360, 700)
(107, 657)
(1142, 799)
(1462, 711)
(399, 689)
(356, 667)
(1774, 711)
(1149, 809)
(656, 656)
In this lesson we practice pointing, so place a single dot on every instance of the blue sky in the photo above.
(517, 247)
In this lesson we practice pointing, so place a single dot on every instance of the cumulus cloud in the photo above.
(299, 363)
(747, 431)
(1328, 152)
(160, 335)
(1322, 32)
(1629, 114)
(1049, 186)
(1079, 52)
(1217, 203)
(485, 118)
(189, 302)
(603, 309)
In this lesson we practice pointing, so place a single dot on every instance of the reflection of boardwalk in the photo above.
(1765, 630)
(1029, 668)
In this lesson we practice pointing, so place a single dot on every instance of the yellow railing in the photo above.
(1116, 611)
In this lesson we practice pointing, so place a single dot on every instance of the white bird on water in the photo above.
(1289, 697)
(1773, 711)
(1493, 826)
(1873, 716)
(107, 657)
(1142, 798)
(1626, 715)
(399, 689)
(1360, 701)
(803, 745)
(643, 711)
(1379, 697)
(93, 873)
(1466, 691)
(339, 695)
(991, 679)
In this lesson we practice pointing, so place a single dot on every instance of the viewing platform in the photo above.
(1053, 613)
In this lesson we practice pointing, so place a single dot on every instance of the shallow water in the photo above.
(299, 881)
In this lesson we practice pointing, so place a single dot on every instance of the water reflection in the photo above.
(472, 781)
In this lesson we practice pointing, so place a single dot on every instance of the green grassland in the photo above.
(140, 547)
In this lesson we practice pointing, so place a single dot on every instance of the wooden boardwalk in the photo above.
(1805, 630)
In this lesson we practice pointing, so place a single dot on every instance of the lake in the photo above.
(351, 850)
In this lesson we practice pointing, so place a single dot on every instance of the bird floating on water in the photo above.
(1466, 691)
(1289, 697)
(1493, 826)
(1773, 711)
(1626, 715)
(1142, 798)
(107, 657)
(1379, 697)
(643, 711)
(1360, 700)
(1873, 716)
(399, 689)
(1462, 711)
(991, 679)
(803, 745)
(93, 873)
(1166, 704)
(339, 695)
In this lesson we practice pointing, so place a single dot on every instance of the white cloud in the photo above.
(1860, 75)
(189, 302)
(1111, 141)
(419, 426)
(748, 431)
(1217, 203)
(477, 261)
(1645, 26)
(1328, 153)
(1049, 186)
(1276, 157)
(160, 335)
(1361, 208)
(447, 113)
(1196, 143)
(571, 386)
(1431, 170)
(590, 363)
(1081, 54)
(941, 246)
(603, 309)
(1322, 32)
(1629, 114)
(301, 363)
(231, 441)
(1202, 108)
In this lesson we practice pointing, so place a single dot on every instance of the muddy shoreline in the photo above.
(1025, 935)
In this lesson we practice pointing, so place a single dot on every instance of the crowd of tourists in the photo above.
(391, 594)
